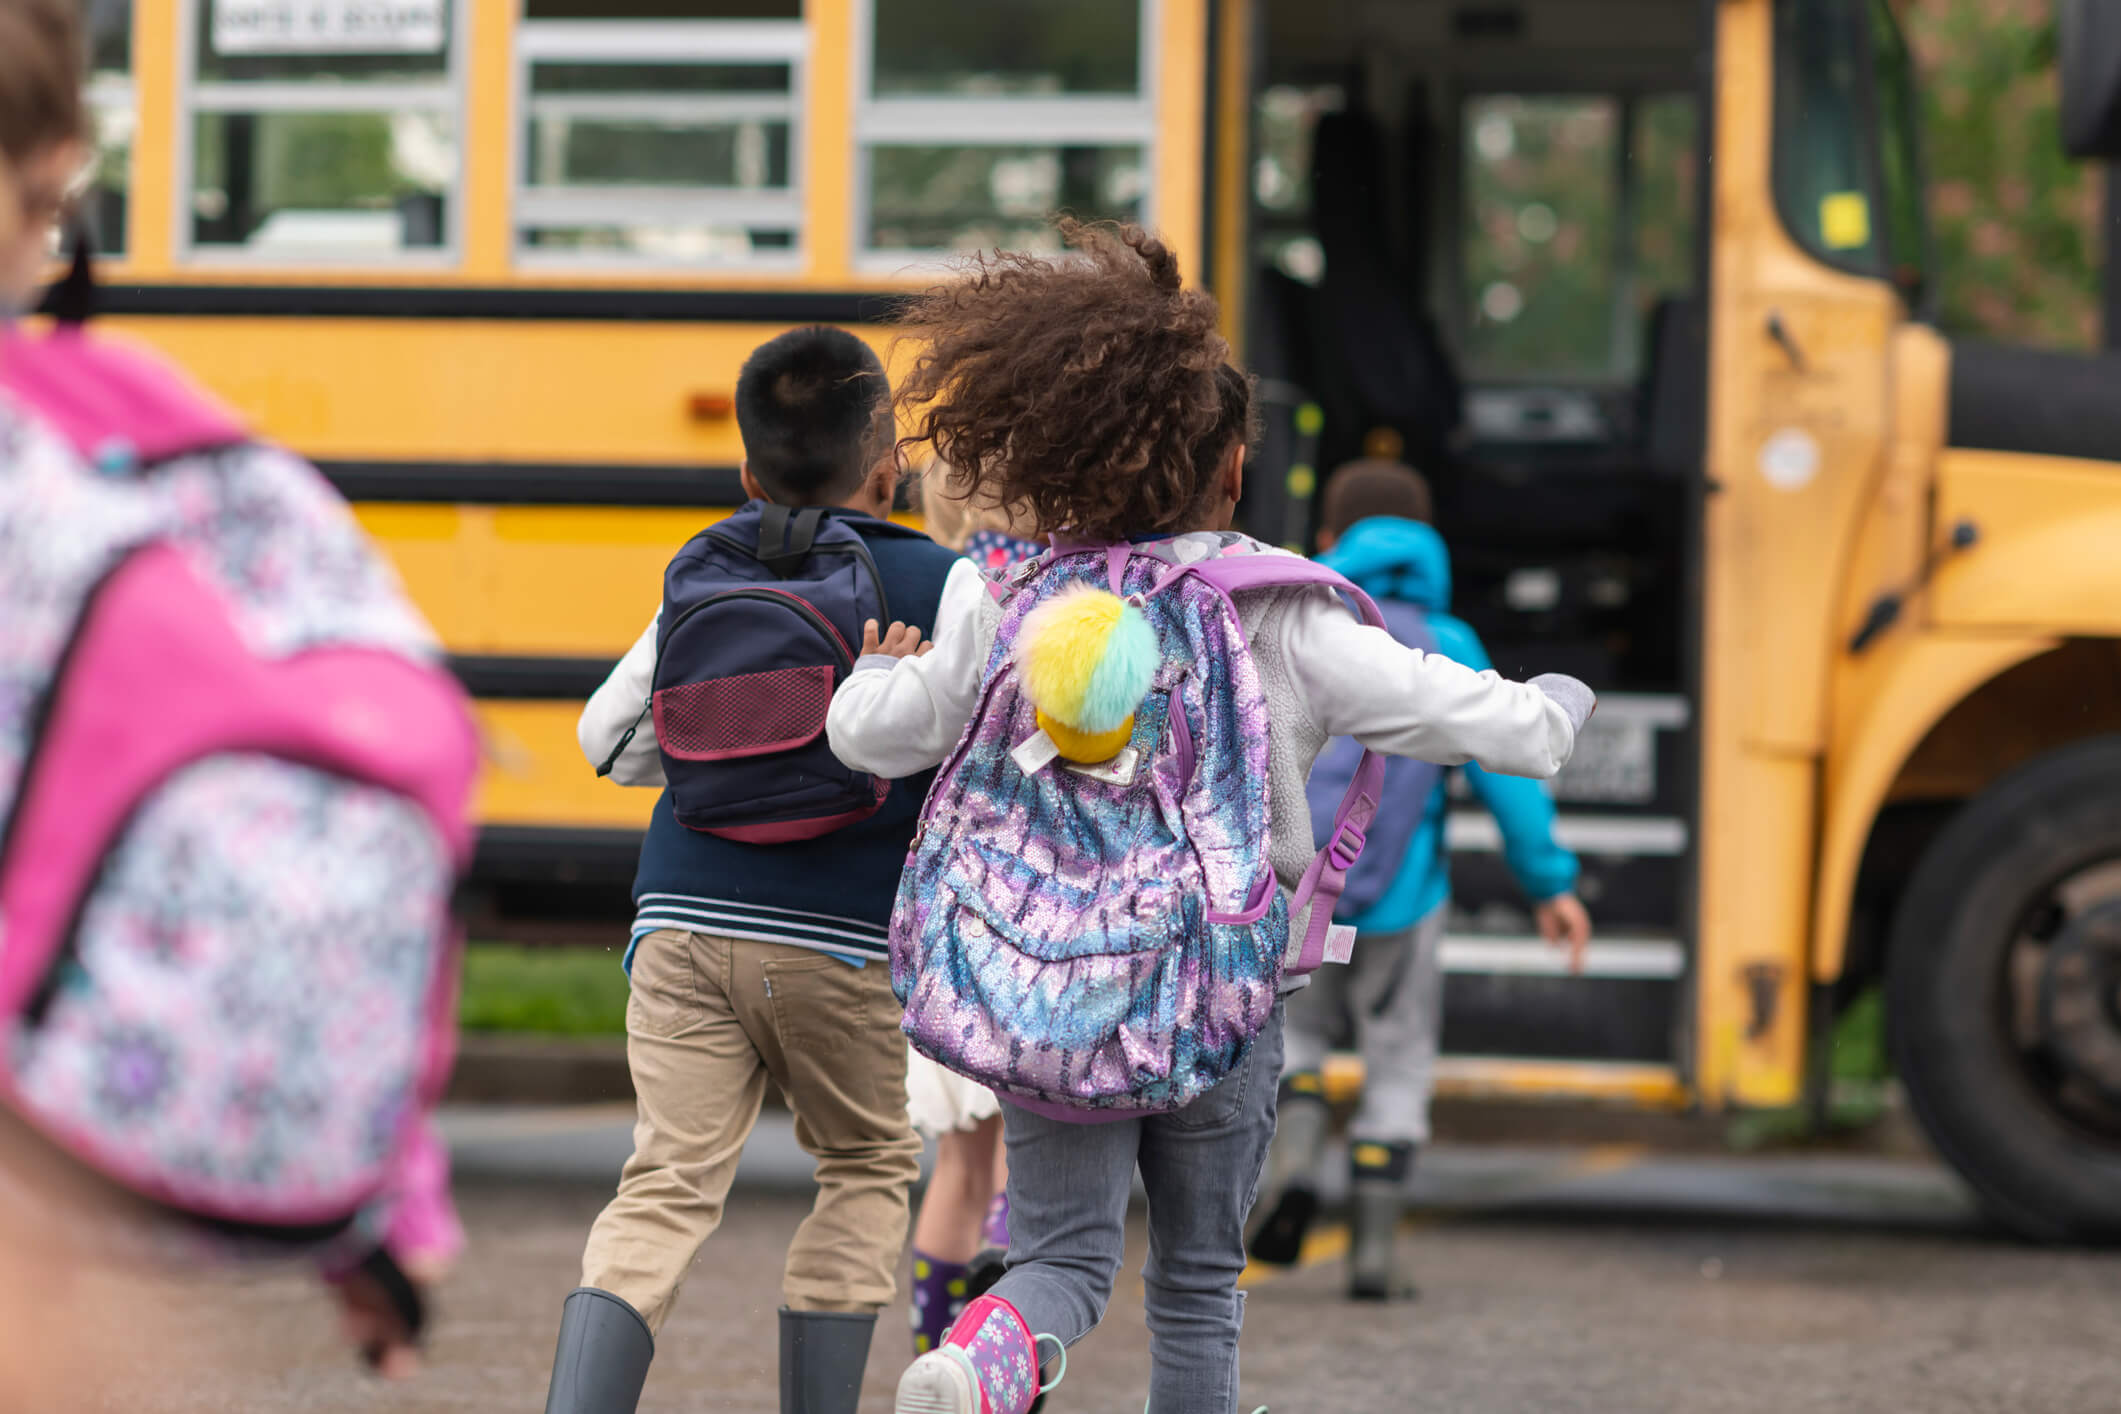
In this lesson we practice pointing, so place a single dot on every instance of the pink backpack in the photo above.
(234, 790)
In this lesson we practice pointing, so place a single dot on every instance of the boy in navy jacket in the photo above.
(751, 961)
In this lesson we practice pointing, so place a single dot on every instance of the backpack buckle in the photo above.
(1347, 846)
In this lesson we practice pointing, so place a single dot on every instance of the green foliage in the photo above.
(2017, 223)
(1555, 285)
(555, 991)
(1541, 202)
(1858, 1040)
(1859, 1078)
(326, 161)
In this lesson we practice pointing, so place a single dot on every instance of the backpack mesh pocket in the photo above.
(751, 714)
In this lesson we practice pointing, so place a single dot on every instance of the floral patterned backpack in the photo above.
(234, 790)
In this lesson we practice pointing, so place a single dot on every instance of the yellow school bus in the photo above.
(1640, 284)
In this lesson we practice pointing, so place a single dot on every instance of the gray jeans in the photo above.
(1388, 1003)
(1068, 1191)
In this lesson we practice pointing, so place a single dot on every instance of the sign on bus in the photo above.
(328, 26)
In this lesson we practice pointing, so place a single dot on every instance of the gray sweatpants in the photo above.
(1387, 1003)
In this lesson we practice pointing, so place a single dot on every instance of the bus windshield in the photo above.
(1900, 155)
(1848, 176)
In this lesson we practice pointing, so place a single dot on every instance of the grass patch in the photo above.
(1859, 1074)
(556, 991)
(1858, 1039)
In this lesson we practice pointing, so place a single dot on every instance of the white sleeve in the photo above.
(1358, 681)
(897, 716)
(622, 704)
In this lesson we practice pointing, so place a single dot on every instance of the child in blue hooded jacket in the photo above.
(1388, 1002)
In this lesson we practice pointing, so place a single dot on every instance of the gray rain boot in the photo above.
(1377, 1180)
(823, 1354)
(1301, 1125)
(603, 1356)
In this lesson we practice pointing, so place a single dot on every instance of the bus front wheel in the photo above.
(2003, 993)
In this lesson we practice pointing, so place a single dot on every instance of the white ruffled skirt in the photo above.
(939, 1101)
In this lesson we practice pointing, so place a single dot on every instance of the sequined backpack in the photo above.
(1102, 941)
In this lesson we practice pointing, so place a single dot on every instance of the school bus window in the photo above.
(667, 142)
(663, 10)
(316, 139)
(988, 48)
(1663, 225)
(1285, 119)
(1541, 210)
(976, 120)
(1566, 248)
(959, 198)
(1822, 169)
(110, 99)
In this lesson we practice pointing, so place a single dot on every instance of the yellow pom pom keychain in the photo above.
(1086, 659)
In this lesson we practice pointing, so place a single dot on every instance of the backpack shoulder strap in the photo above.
(117, 406)
(1323, 882)
(786, 536)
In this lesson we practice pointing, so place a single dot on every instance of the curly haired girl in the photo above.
(963, 1227)
(1093, 392)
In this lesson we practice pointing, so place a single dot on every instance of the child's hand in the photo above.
(374, 1321)
(900, 641)
(1564, 923)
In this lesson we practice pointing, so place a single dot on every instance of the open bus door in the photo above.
(1471, 237)
(1847, 580)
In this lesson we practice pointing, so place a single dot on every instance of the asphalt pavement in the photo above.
(1596, 1278)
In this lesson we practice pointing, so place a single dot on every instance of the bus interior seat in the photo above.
(1379, 360)
(1672, 405)
(1282, 361)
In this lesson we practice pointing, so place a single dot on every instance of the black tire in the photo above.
(2045, 1172)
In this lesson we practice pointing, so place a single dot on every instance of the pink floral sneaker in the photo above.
(987, 1364)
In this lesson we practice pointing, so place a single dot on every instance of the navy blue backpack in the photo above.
(762, 619)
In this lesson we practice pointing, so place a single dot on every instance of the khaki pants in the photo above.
(709, 1019)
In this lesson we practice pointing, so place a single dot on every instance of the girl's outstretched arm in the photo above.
(897, 716)
(1358, 681)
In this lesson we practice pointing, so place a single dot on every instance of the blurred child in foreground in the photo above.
(174, 1095)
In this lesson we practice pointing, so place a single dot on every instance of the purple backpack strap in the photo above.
(1322, 883)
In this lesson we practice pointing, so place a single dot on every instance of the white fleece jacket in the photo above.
(1325, 673)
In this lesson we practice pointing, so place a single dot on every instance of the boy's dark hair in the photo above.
(813, 407)
(43, 57)
(1083, 389)
(1373, 487)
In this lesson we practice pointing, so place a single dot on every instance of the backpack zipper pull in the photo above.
(625, 740)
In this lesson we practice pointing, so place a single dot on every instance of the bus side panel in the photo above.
(2045, 560)
(534, 581)
(472, 390)
(2041, 571)
(1888, 701)
(536, 775)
